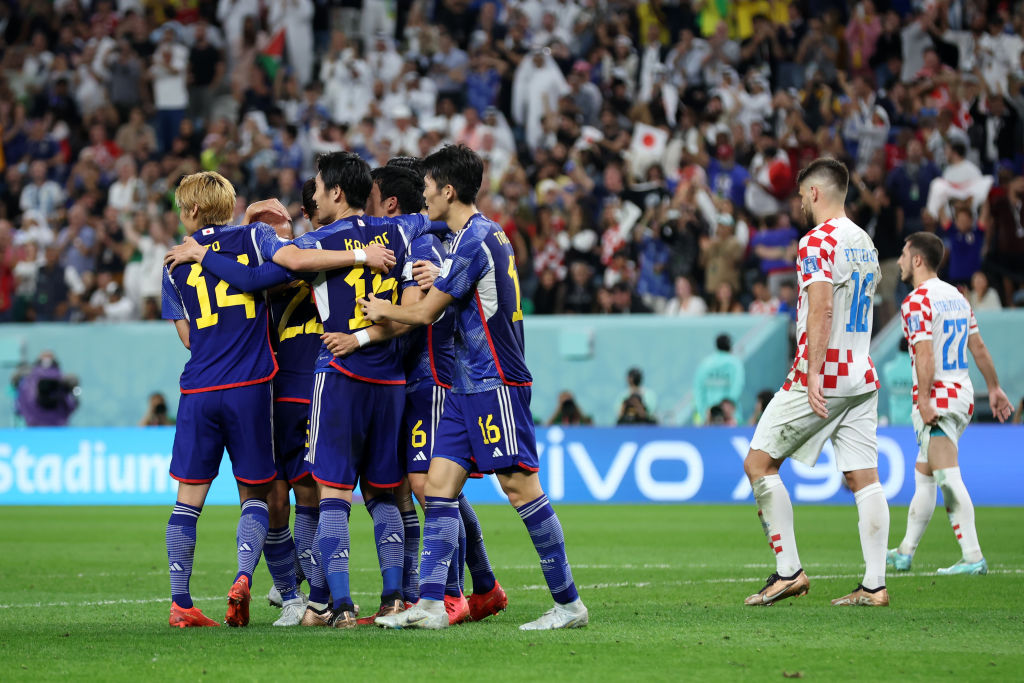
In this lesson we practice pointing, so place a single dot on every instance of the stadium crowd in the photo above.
(640, 155)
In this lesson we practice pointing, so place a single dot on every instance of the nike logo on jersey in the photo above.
(420, 457)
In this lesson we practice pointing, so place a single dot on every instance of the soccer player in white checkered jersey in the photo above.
(831, 391)
(940, 327)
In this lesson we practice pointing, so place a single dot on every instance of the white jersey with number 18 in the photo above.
(840, 253)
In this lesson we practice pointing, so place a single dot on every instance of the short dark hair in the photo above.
(402, 183)
(723, 342)
(959, 147)
(348, 172)
(635, 376)
(830, 170)
(413, 163)
(929, 247)
(458, 166)
(308, 203)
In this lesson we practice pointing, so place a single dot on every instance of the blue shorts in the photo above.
(210, 421)
(353, 432)
(490, 431)
(423, 409)
(291, 433)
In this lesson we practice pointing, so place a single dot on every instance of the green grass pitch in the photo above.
(83, 596)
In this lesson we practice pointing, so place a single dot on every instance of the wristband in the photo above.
(360, 255)
(362, 336)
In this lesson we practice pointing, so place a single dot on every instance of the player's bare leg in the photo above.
(389, 534)
(922, 505)
(942, 458)
(873, 513)
(527, 496)
(775, 510)
(181, 545)
(445, 479)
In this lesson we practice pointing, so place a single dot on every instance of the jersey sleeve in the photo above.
(171, 305)
(463, 268)
(816, 258)
(309, 240)
(245, 278)
(916, 312)
(266, 240)
(423, 248)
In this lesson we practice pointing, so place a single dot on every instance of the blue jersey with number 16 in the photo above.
(228, 329)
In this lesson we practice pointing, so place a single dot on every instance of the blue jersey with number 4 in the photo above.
(228, 329)
(480, 273)
(337, 291)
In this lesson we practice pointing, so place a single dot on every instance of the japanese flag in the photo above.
(648, 146)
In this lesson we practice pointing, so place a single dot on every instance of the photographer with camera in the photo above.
(46, 396)
(568, 412)
(156, 414)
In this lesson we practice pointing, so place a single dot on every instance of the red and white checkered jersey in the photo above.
(840, 253)
(937, 311)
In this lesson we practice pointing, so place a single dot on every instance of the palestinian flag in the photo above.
(270, 56)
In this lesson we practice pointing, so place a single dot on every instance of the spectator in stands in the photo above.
(46, 396)
(1003, 216)
(718, 376)
(721, 255)
(168, 75)
(964, 240)
(775, 249)
(725, 300)
(981, 296)
(787, 299)
(763, 303)
(685, 302)
(635, 387)
(41, 194)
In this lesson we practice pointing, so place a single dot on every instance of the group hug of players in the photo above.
(383, 350)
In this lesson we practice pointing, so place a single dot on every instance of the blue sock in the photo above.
(181, 549)
(476, 554)
(306, 519)
(453, 584)
(440, 540)
(546, 533)
(280, 553)
(461, 564)
(333, 540)
(411, 565)
(390, 536)
(319, 593)
(252, 534)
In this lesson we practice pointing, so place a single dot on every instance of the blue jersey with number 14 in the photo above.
(480, 273)
(337, 291)
(228, 329)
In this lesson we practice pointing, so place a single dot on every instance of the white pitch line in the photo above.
(531, 587)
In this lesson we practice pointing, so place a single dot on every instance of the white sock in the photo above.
(922, 505)
(873, 511)
(960, 510)
(432, 606)
(776, 512)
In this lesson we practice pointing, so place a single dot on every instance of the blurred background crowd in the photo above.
(641, 155)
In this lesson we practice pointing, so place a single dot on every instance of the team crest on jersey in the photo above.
(208, 231)
(915, 323)
(810, 265)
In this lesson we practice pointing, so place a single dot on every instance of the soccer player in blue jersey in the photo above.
(429, 355)
(226, 391)
(487, 418)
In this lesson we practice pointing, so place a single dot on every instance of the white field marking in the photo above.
(594, 586)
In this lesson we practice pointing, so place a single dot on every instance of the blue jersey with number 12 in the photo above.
(228, 329)
(336, 291)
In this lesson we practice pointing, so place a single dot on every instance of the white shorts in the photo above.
(788, 428)
(952, 422)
